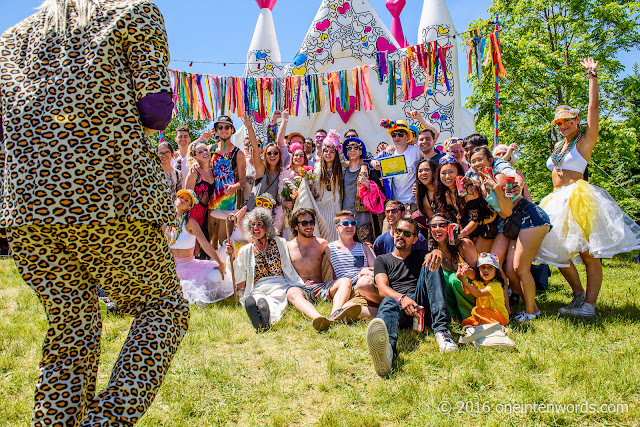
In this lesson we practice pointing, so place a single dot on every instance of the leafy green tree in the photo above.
(543, 42)
(196, 127)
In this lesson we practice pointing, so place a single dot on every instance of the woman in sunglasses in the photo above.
(585, 218)
(468, 211)
(264, 270)
(425, 194)
(203, 282)
(201, 181)
(358, 174)
(454, 147)
(328, 188)
(459, 302)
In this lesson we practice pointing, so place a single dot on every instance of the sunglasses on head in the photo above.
(439, 225)
(447, 159)
(398, 134)
(353, 147)
(307, 223)
(257, 224)
(351, 223)
(406, 233)
(264, 204)
(224, 127)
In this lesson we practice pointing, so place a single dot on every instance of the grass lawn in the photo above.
(226, 374)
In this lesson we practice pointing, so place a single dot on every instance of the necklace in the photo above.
(330, 179)
(559, 153)
(262, 251)
(172, 232)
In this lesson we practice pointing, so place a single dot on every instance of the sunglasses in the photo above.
(398, 134)
(307, 223)
(393, 211)
(272, 153)
(257, 224)
(320, 137)
(406, 233)
(224, 127)
(563, 121)
(351, 223)
(265, 204)
(436, 225)
(447, 159)
(353, 148)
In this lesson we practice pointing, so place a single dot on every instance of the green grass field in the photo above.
(226, 374)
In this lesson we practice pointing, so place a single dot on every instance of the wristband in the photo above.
(465, 231)
(495, 186)
(400, 299)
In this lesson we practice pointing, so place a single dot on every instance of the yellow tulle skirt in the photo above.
(585, 218)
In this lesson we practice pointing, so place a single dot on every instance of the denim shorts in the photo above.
(532, 216)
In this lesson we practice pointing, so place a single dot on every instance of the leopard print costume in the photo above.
(82, 196)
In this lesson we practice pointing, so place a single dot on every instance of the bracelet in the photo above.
(400, 299)
(495, 186)
(592, 73)
(465, 231)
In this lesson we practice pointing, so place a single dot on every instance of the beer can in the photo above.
(462, 190)
(508, 189)
(489, 172)
(451, 233)
(418, 321)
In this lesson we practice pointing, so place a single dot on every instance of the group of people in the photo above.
(456, 234)
(90, 210)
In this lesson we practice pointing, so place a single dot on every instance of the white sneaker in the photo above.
(446, 342)
(575, 302)
(584, 310)
(379, 347)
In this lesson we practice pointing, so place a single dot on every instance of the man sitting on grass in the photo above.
(394, 212)
(407, 279)
(306, 252)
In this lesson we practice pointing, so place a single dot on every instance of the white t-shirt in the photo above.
(403, 184)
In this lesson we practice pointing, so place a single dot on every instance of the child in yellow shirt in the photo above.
(490, 307)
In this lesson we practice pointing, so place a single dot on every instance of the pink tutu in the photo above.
(202, 282)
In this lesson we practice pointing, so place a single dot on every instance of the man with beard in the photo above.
(306, 252)
(407, 279)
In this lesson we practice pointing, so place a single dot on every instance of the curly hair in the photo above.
(295, 219)
(260, 214)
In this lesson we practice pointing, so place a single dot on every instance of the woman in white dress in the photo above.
(203, 282)
(263, 269)
(327, 189)
(586, 219)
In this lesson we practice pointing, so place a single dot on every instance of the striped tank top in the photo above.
(348, 264)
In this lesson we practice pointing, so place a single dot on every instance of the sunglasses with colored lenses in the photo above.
(307, 223)
(562, 121)
(264, 204)
(224, 127)
(351, 223)
(353, 147)
(257, 224)
(398, 134)
(272, 153)
(406, 233)
(320, 137)
(392, 211)
(447, 159)
(439, 225)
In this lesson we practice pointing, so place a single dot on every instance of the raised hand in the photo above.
(285, 115)
(247, 121)
(414, 114)
(590, 64)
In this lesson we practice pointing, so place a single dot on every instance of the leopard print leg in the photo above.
(71, 349)
(138, 272)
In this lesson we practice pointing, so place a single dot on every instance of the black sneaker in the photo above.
(252, 311)
(265, 314)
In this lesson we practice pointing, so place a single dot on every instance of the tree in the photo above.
(543, 42)
(196, 127)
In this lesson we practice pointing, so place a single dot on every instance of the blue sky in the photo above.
(221, 30)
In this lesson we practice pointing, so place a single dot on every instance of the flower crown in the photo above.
(295, 147)
(332, 140)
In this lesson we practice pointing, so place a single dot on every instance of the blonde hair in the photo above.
(57, 13)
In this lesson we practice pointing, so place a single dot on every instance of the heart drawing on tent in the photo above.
(415, 90)
(346, 115)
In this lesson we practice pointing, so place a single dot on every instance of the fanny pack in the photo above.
(511, 227)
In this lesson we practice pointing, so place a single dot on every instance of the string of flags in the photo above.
(203, 96)
(487, 47)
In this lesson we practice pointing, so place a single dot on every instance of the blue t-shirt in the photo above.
(384, 244)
